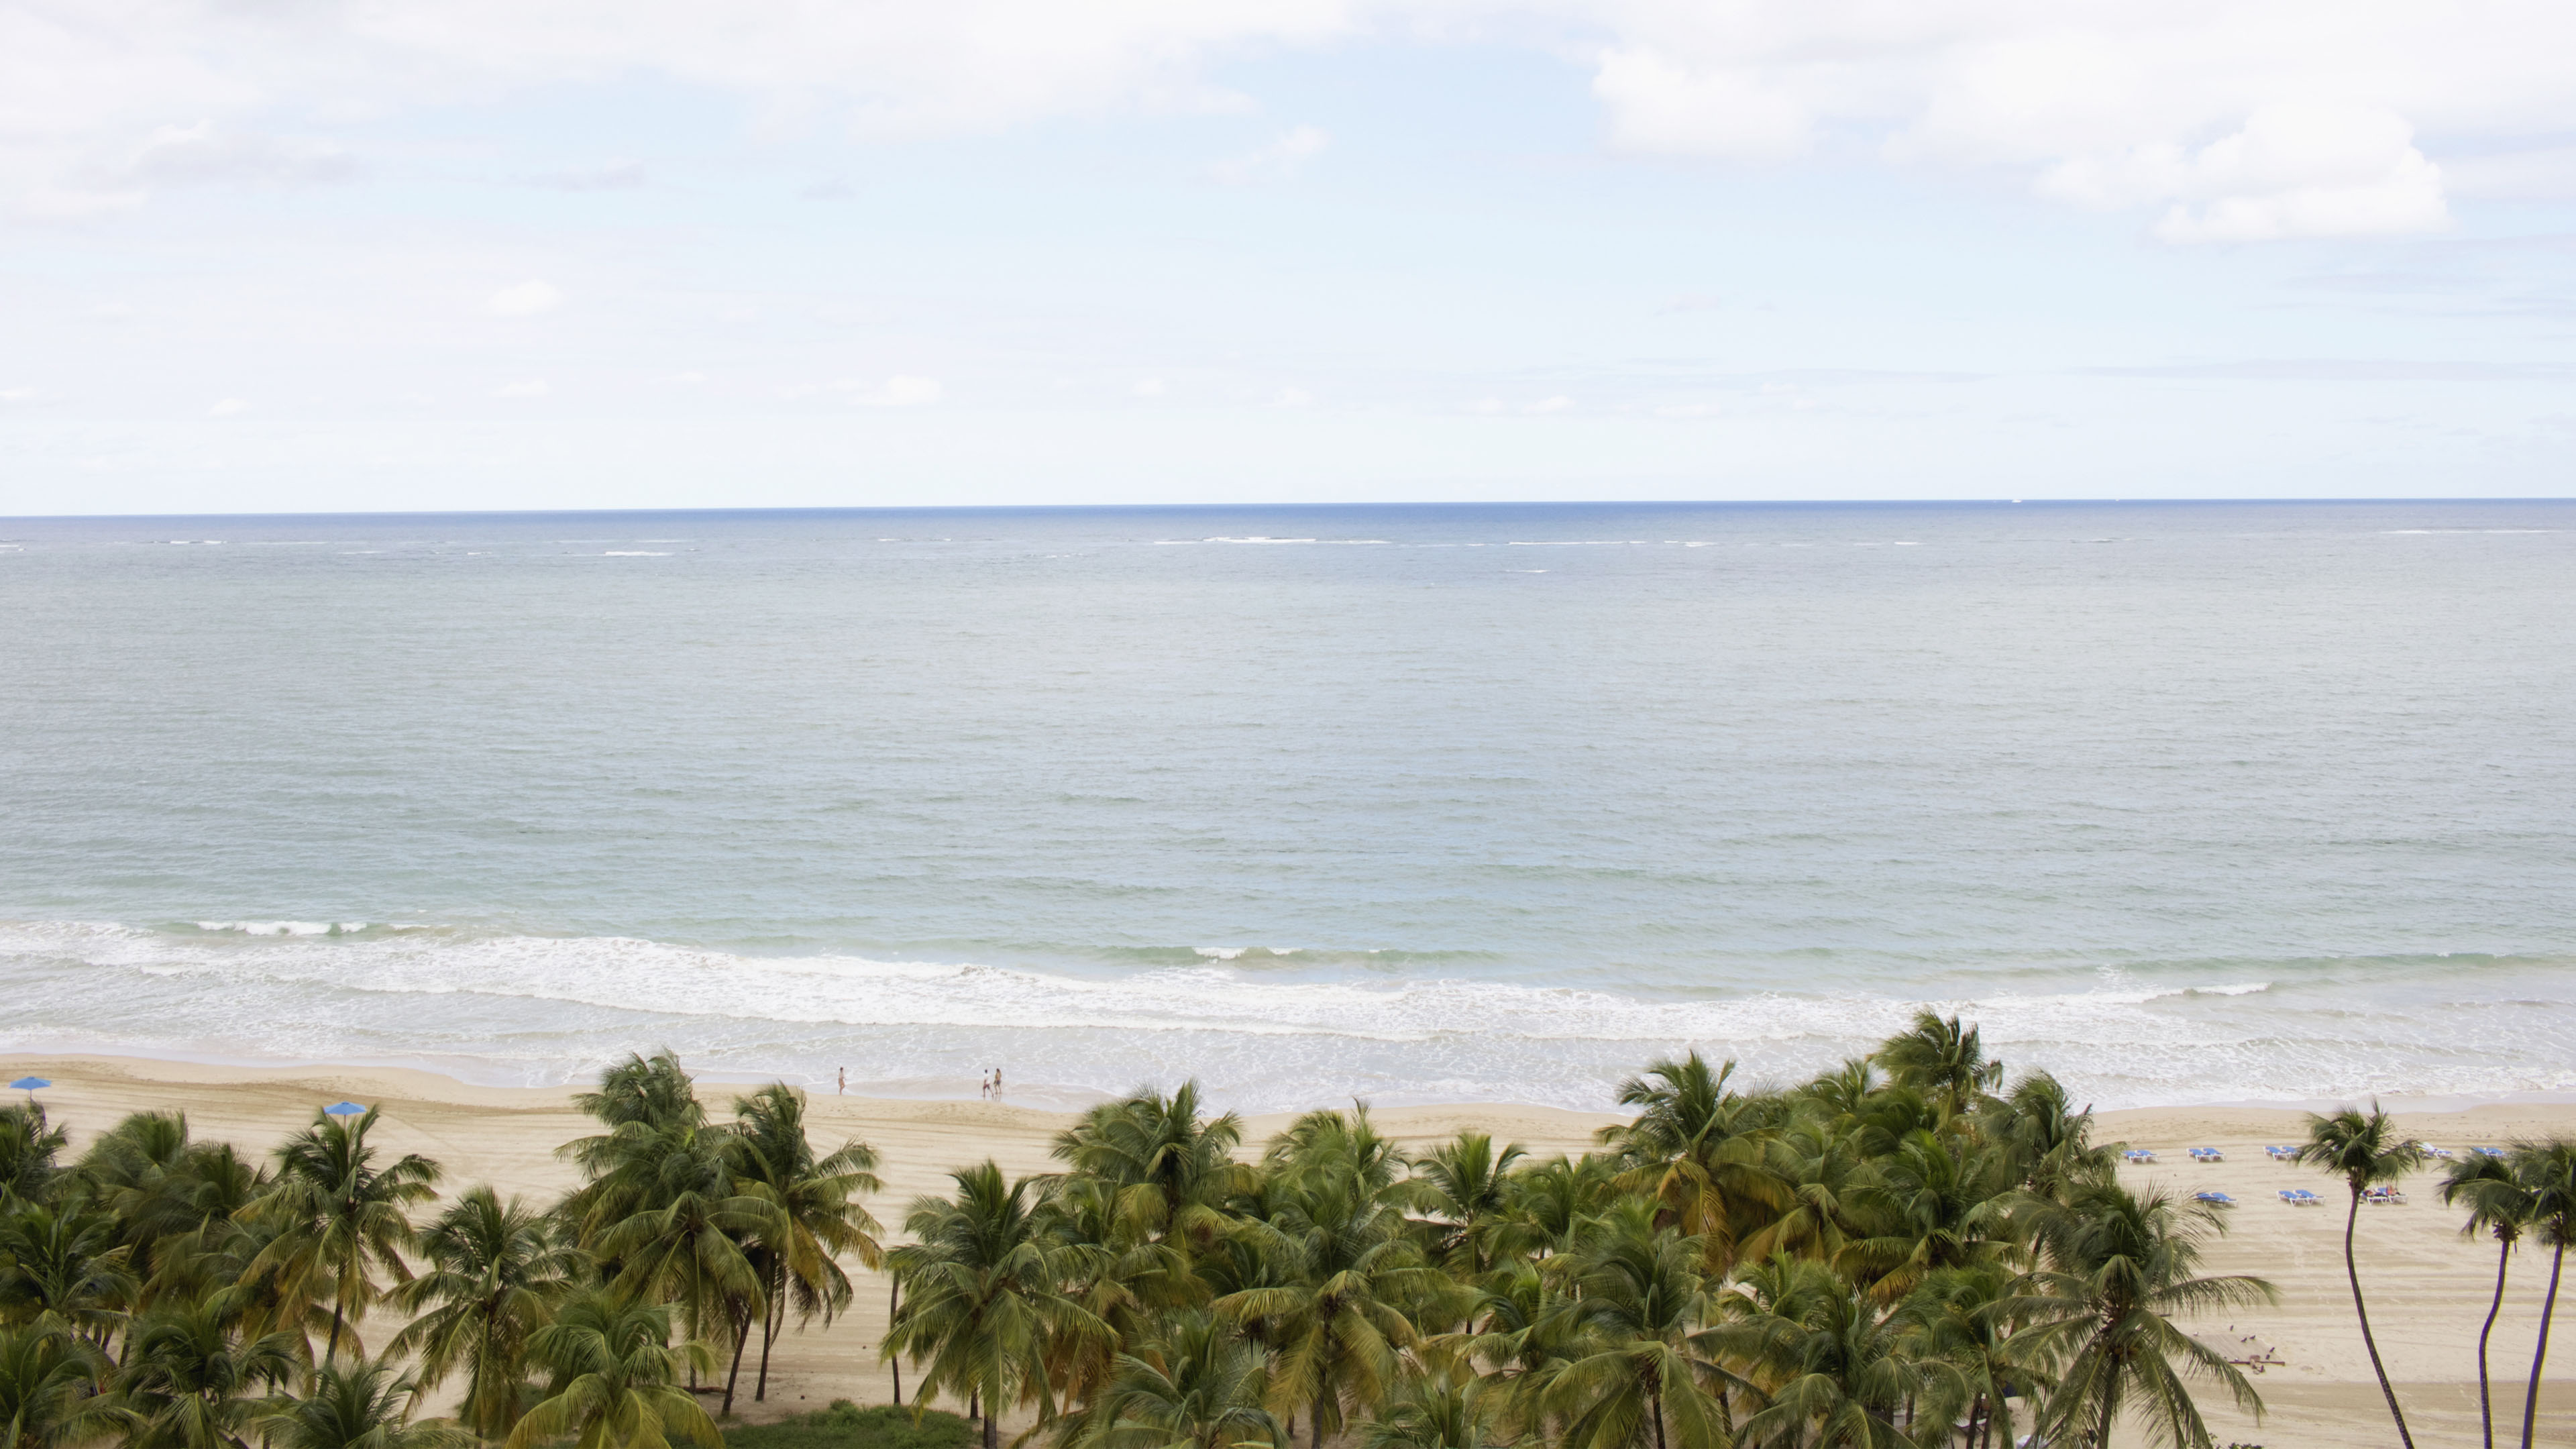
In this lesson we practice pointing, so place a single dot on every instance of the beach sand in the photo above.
(2428, 1287)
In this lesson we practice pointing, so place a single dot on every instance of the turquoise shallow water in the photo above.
(2186, 802)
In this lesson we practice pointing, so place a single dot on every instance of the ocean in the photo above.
(2183, 802)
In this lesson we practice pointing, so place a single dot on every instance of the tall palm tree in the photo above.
(692, 1248)
(50, 1382)
(29, 1146)
(2363, 1149)
(815, 1215)
(2048, 1143)
(61, 1263)
(1944, 1060)
(1465, 1186)
(2115, 1265)
(1340, 1270)
(2499, 1206)
(1553, 1199)
(615, 1379)
(1963, 1316)
(655, 1091)
(189, 1378)
(2547, 1170)
(1937, 1203)
(1437, 1410)
(493, 1273)
(985, 1298)
(1171, 1167)
(1830, 1367)
(339, 1217)
(357, 1405)
(1642, 1375)
(1826, 1176)
(1194, 1385)
(1697, 1149)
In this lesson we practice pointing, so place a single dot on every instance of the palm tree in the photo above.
(815, 1215)
(356, 1406)
(189, 1377)
(2547, 1171)
(653, 1091)
(1829, 1367)
(2364, 1150)
(1642, 1374)
(986, 1299)
(2500, 1206)
(49, 1390)
(1192, 1386)
(2047, 1141)
(61, 1263)
(1826, 1176)
(28, 1147)
(1552, 1199)
(2115, 1265)
(691, 1250)
(615, 1375)
(1697, 1149)
(1171, 1168)
(1964, 1319)
(1437, 1410)
(1466, 1187)
(339, 1217)
(1340, 1269)
(1939, 1205)
(1944, 1060)
(494, 1273)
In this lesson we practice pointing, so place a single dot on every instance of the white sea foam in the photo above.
(632, 553)
(1277, 1035)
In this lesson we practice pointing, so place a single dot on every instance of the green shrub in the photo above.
(847, 1426)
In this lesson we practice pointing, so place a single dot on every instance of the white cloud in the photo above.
(82, 84)
(103, 101)
(906, 392)
(525, 299)
(533, 387)
(894, 392)
(227, 407)
(2236, 119)
(1282, 158)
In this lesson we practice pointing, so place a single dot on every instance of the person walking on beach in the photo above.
(997, 1081)
(843, 1089)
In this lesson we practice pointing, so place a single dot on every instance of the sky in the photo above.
(297, 255)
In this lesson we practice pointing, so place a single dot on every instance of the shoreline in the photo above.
(2428, 1285)
(1069, 1099)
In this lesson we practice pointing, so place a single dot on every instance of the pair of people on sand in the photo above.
(993, 1083)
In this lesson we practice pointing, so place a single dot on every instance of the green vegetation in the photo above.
(847, 1426)
(1913, 1250)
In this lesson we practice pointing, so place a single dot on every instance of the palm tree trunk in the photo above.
(2548, 1306)
(770, 1323)
(2486, 1412)
(1657, 1400)
(894, 1305)
(2351, 1217)
(331, 1345)
(1319, 1424)
(741, 1326)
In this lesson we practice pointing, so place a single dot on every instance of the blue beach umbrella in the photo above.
(28, 1084)
(344, 1109)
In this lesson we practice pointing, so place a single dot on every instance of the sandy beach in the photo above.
(2428, 1286)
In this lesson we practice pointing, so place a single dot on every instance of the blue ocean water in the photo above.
(2186, 802)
